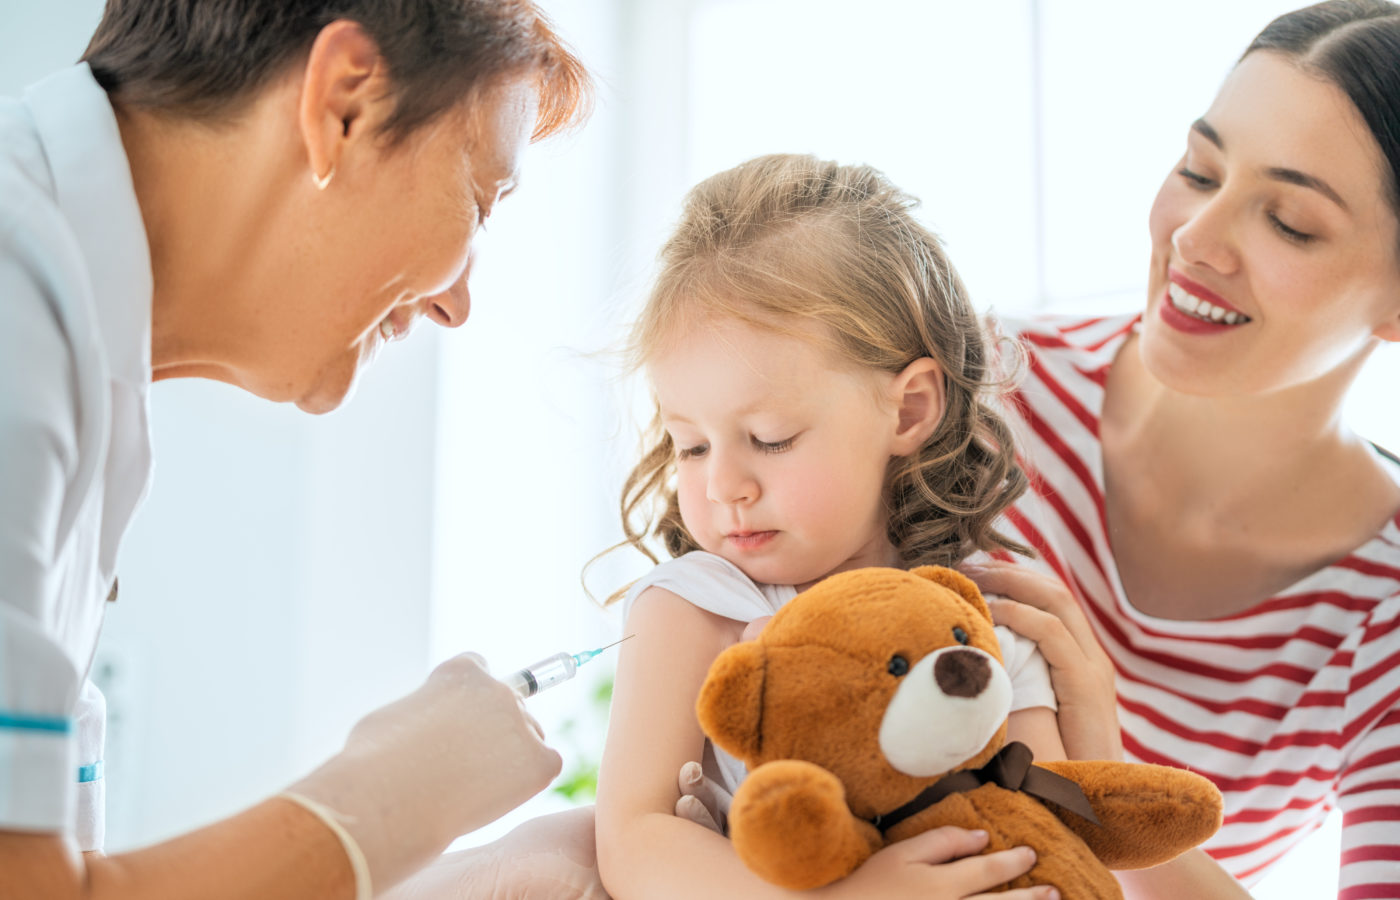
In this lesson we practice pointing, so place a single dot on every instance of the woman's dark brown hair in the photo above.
(1355, 44)
(203, 59)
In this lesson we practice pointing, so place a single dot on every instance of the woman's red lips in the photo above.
(1201, 291)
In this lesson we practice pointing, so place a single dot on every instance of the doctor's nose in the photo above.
(730, 483)
(451, 308)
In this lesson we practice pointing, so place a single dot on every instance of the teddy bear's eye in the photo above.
(959, 635)
(898, 665)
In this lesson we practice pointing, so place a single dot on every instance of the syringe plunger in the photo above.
(544, 674)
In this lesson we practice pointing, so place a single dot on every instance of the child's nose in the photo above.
(730, 482)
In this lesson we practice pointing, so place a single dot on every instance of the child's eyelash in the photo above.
(684, 453)
(774, 446)
(691, 452)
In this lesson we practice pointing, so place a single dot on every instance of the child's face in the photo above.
(781, 455)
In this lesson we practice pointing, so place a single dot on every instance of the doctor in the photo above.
(260, 192)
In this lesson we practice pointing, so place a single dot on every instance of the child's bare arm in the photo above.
(646, 851)
(1039, 729)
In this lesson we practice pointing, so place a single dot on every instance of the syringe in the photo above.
(551, 670)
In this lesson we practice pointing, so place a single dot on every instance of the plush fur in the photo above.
(868, 688)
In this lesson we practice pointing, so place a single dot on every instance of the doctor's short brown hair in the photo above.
(203, 59)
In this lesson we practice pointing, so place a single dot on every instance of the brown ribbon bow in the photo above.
(1011, 768)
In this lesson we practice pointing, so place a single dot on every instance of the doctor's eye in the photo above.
(960, 636)
(1195, 180)
(898, 665)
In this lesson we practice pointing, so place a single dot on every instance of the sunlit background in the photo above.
(289, 573)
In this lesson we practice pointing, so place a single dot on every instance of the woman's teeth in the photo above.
(387, 330)
(1202, 309)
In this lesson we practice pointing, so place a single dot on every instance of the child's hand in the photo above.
(703, 801)
(939, 865)
(1042, 609)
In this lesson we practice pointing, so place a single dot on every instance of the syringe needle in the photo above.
(586, 655)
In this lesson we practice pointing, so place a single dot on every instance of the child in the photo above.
(819, 378)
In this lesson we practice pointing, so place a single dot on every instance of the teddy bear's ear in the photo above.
(958, 582)
(730, 705)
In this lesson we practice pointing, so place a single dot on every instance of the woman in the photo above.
(1209, 531)
(262, 193)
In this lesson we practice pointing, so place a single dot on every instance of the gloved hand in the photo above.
(702, 801)
(414, 775)
(548, 858)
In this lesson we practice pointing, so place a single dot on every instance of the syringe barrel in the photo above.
(544, 674)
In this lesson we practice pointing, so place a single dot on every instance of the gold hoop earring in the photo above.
(322, 180)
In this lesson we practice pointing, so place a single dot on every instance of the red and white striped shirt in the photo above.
(1291, 707)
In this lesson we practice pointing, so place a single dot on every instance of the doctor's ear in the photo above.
(919, 395)
(344, 96)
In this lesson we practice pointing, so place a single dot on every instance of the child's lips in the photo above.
(750, 540)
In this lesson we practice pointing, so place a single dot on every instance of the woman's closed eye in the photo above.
(1199, 182)
(1291, 234)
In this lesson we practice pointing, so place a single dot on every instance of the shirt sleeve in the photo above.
(708, 581)
(1368, 791)
(1030, 674)
(39, 683)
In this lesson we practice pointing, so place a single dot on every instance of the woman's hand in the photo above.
(1042, 609)
(940, 865)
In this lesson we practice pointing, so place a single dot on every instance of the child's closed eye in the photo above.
(698, 450)
(774, 446)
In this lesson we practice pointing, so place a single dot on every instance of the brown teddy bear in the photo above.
(873, 707)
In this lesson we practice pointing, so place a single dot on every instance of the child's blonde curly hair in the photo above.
(784, 242)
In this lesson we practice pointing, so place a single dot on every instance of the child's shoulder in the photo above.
(712, 583)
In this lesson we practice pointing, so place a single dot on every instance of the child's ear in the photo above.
(919, 397)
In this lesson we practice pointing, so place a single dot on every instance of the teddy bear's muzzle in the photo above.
(945, 710)
(962, 673)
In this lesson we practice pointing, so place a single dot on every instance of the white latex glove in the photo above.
(414, 775)
(548, 858)
(703, 801)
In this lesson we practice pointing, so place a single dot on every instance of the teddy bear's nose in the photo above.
(962, 673)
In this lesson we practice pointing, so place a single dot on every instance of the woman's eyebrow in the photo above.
(1290, 176)
(1303, 179)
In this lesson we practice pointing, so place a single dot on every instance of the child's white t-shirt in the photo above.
(716, 585)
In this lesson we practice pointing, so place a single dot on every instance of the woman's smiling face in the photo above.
(1274, 242)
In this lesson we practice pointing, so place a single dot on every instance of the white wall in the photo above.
(526, 490)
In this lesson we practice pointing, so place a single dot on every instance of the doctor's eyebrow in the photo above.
(1289, 176)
